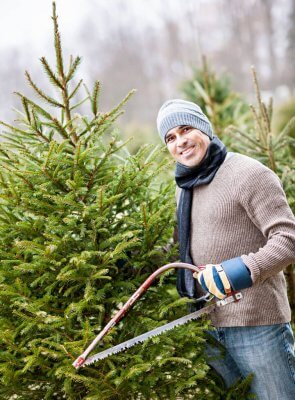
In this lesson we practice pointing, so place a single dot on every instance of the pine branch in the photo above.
(120, 105)
(26, 108)
(36, 106)
(256, 86)
(57, 45)
(45, 97)
(270, 111)
(55, 123)
(271, 154)
(102, 121)
(73, 68)
(265, 118)
(262, 119)
(2, 179)
(49, 154)
(56, 182)
(76, 89)
(37, 127)
(51, 75)
(76, 158)
(287, 129)
(88, 126)
(95, 97)
(20, 175)
(78, 104)
(232, 129)
(63, 78)
(13, 128)
(259, 127)
(112, 115)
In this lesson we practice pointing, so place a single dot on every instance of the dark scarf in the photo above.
(188, 178)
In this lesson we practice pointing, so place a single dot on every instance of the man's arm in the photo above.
(262, 196)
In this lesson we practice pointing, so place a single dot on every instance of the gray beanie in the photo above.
(177, 112)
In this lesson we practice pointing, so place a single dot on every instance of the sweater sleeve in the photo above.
(262, 196)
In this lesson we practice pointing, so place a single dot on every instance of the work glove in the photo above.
(223, 279)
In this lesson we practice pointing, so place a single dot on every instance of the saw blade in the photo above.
(155, 332)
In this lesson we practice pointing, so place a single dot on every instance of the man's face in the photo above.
(187, 145)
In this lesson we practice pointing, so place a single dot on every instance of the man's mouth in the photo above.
(188, 150)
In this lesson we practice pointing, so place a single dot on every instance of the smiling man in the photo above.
(187, 149)
(233, 218)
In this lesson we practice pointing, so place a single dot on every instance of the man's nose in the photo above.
(181, 141)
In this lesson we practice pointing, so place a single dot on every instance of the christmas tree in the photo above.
(82, 224)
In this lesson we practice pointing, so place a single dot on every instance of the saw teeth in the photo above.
(148, 335)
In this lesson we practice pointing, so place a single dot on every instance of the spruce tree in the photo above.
(82, 224)
(213, 93)
(282, 115)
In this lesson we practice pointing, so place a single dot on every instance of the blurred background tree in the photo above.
(214, 94)
(282, 114)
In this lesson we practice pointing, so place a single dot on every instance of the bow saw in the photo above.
(84, 360)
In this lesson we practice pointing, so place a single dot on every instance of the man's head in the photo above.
(186, 131)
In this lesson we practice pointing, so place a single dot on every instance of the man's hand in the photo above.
(222, 279)
(214, 280)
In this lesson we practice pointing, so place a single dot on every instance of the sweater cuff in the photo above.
(238, 274)
(253, 268)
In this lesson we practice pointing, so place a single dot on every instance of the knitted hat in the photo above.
(177, 112)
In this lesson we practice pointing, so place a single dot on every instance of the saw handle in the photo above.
(139, 292)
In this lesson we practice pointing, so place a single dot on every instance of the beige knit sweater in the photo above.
(244, 212)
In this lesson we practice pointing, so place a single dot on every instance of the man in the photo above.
(233, 217)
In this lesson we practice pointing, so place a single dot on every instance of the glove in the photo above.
(222, 279)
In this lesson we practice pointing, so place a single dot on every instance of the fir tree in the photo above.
(82, 224)
(215, 96)
(282, 115)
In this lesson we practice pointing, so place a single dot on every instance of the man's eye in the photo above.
(169, 139)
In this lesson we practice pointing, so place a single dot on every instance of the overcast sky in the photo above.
(26, 32)
(28, 23)
(26, 35)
